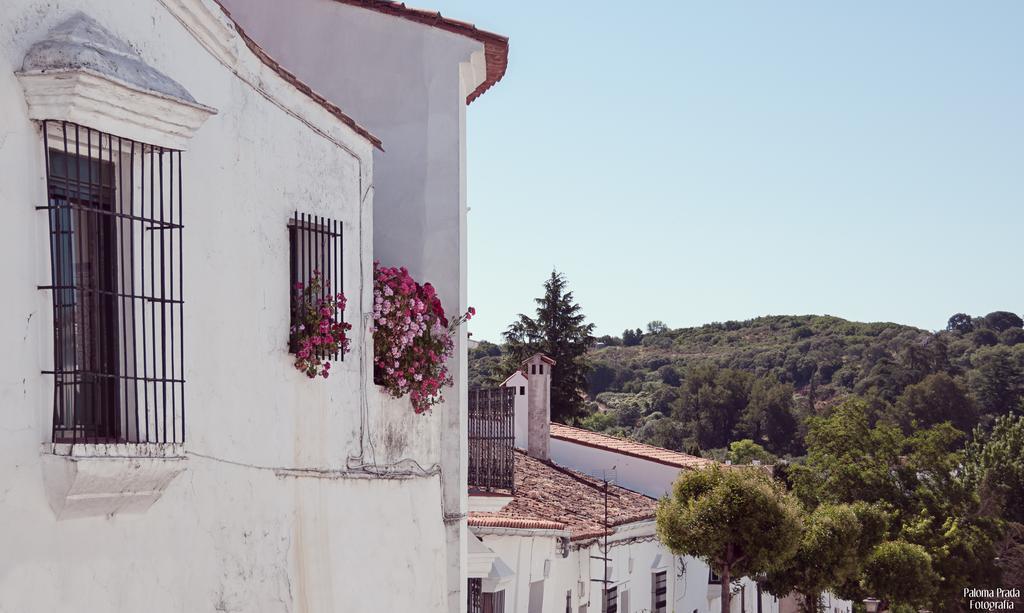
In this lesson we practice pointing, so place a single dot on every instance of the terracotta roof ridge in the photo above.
(496, 520)
(624, 446)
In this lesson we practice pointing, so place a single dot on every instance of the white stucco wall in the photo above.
(521, 408)
(649, 478)
(233, 532)
(655, 480)
(635, 556)
(407, 83)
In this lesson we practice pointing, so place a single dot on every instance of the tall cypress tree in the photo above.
(559, 332)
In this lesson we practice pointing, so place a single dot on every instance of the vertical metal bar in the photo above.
(56, 260)
(142, 282)
(330, 289)
(94, 336)
(171, 306)
(77, 291)
(335, 278)
(113, 341)
(341, 271)
(163, 303)
(181, 297)
(293, 274)
(131, 280)
(122, 284)
(303, 251)
(152, 284)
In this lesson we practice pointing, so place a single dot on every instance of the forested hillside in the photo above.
(700, 389)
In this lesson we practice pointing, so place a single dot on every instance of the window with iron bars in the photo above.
(314, 248)
(474, 596)
(659, 592)
(610, 602)
(115, 237)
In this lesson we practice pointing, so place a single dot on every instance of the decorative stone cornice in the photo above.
(106, 104)
(84, 74)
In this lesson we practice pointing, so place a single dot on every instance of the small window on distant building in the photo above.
(536, 597)
(494, 602)
(533, 369)
(611, 601)
(522, 390)
(659, 592)
(542, 369)
(713, 577)
(568, 601)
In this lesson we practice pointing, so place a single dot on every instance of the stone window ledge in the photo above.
(102, 480)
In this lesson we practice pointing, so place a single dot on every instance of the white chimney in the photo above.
(538, 373)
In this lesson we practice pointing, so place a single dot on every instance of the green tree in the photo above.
(559, 331)
(768, 416)
(832, 550)
(848, 460)
(1002, 320)
(997, 380)
(657, 327)
(712, 401)
(935, 399)
(632, 338)
(737, 519)
(960, 322)
(898, 572)
(995, 465)
(745, 451)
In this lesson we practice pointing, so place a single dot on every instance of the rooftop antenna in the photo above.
(605, 580)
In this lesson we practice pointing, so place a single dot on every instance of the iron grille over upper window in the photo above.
(492, 438)
(474, 598)
(314, 250)
(659, 592)
(115, 220)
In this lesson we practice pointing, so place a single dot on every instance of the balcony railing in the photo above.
(491, 439)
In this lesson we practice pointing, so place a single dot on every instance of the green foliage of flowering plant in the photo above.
(317, 331)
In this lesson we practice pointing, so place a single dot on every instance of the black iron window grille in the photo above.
(314, 251)
(474, 596)
(492, 439)
(115, 232)
(659, 592)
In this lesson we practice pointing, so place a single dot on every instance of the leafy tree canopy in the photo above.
(738, 519)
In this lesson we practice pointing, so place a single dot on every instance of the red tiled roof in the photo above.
(627, 447)
(495, 45)
(271, 63)
(551, 497)
(497, 520)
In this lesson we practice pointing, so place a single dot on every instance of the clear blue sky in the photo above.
(706, 161)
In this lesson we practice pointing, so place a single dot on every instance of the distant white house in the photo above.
(543, 543)
(168, 174)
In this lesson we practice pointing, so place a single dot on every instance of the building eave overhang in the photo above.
(495, 45)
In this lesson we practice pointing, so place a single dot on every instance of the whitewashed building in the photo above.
(165, 181)
(542, 545)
